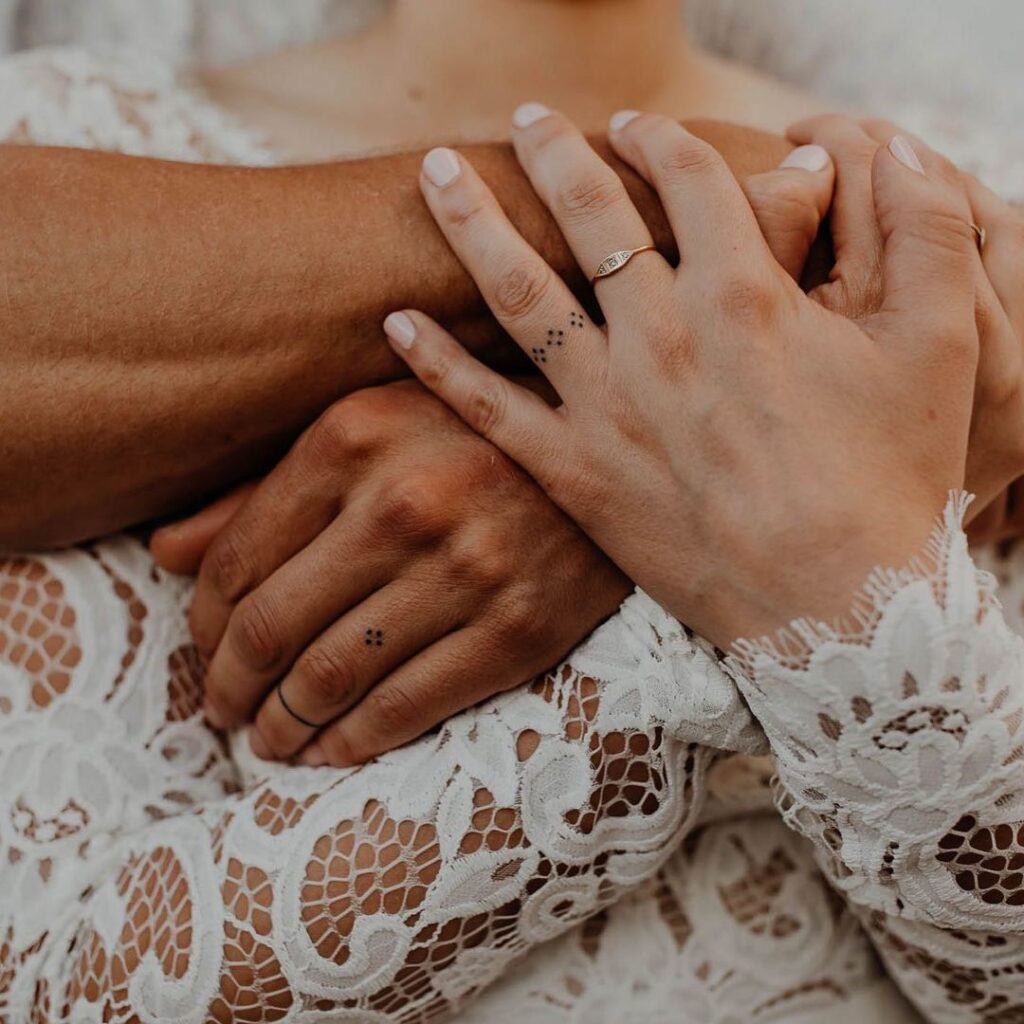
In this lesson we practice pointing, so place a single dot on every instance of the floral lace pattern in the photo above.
(900, 754)
(612, 810)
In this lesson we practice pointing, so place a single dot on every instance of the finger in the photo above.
(294, 504)
(589, 203)
(855, 283)
(346, 661)
(273, 624)
(179, 547)
(512, 418)
(930, 259)
(444, 679)
(1002, 255)
(526, 296)
(790, 203)
(705, 205)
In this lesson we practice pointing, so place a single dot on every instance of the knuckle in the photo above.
(411, 507)
(482, 558)
(788, 206)
(435, 370)
(523, 618)
(393, 712)
(520, 291)
(463, 208)
(202, 631)
(231, 570)
(272, 729)
(341, 432)
(583, 200)
(486, 407)
(326, 674)
(941, 230)
(746, 299)
(687, 156)
(255, 634)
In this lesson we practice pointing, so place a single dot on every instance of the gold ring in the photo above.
(980, 234)
(614, 263)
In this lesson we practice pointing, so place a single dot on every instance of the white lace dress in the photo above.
(599, 846)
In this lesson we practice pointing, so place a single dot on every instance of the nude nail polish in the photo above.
(442, 167)
(903, 151)
(530, 113)
(807, 158)
(621, 118)
(401, 330)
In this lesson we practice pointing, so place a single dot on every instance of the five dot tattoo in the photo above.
(375, 638)
(556, 339)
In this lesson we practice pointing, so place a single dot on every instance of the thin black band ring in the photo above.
(298, 718)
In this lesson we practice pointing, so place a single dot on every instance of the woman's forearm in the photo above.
(167, 328)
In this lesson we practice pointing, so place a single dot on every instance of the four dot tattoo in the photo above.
(375, 638)
(555, 339)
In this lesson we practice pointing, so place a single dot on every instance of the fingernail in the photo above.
(904, 152)
(621, 118)
(401, 330)
(314, 756)
(529, 113)
(213, 716)
(442, 167)
(259, 745)
(807, 158)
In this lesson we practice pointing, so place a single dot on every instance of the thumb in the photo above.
(791, 202)
(180, 547)
(930, 260)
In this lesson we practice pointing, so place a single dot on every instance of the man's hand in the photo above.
(393, 570)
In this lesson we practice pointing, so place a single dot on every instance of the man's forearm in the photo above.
(168, 328)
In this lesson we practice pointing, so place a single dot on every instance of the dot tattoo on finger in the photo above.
(375, 638)
(576, 321)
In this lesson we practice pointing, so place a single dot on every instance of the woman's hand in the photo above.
(395, 569)
(744, 454)
(995, 456)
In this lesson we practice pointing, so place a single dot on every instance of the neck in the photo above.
(586, 57)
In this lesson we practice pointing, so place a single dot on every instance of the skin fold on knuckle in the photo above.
(519, 291)
(787, 210)
(228, 571)
(588, 199)
(255, 634)
(413, 509)
(747, 300)
(393, 716)
(685, 157)
(326, 677)
(464, 208)
(344, 432)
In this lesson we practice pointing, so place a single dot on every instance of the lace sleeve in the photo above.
(396, 891)
(900, 754)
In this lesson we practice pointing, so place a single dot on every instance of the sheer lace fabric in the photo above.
(594, 843)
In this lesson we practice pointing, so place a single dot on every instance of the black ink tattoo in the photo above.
(555, 339)
(375, 638)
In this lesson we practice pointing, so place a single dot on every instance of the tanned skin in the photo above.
(168, 328)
